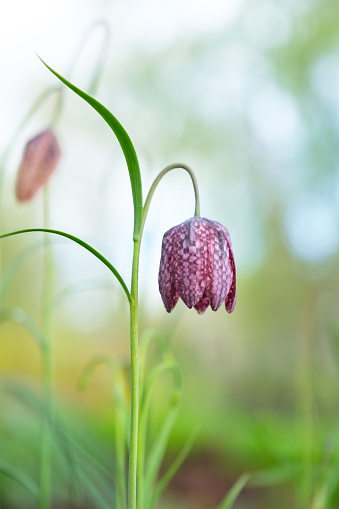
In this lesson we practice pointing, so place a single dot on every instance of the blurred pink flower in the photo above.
(197, 265)
(38, 162)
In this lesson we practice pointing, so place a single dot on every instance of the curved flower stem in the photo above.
(96, 73)
(153, 187)
(82, 244)
(57, 109)
(133, 451)
(100, 23)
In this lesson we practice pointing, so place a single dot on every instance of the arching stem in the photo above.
(153, 187)
(133, 452)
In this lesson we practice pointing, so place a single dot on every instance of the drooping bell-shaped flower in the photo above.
(197, 265)
(40, 157)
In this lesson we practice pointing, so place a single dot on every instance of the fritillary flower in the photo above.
(39, 160)
(197, 265)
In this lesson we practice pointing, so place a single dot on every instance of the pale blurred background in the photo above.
(247, 93)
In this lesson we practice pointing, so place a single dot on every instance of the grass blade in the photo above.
(20, 316)
(148, 470)
(81, 243)
(157, 452)
(173, 468)
(14, 266)
(121, 420)
(84, 471)
(125, 143)
(20, 477)
(234, 492)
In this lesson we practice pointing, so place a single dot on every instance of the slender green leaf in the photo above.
(79, 287)
(11, 270)
(94, 475)
(101, 59)
(173, 468)
(125, 143)
(22, 393)
(90, 454)
(234, 492)
(85, 467)
(332, 489)
(158, 450)
(145, 341)
(277, 475)
(20, 477)
(34, 403)
(157, 371)
(318, 499)
(77, 456)
(20, 316)
(146, 481)
(121, 420)
(72, 465)
(93, 470)
(96, 492)
(81, 243)
(118, 381)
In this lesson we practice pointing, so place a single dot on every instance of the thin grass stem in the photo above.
(133, 452)
(47, 369)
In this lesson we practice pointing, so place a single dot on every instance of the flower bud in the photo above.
(40, 157)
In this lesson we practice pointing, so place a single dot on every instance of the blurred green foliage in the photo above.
(255, 107)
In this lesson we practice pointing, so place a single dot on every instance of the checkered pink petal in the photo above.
(232, 294)
(39, 160)
(197, 265)
(166, 273)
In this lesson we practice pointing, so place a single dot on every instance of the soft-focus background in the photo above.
(247, 93)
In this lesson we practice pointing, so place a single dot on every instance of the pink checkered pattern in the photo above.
(197, 265)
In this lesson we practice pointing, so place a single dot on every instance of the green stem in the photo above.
(81, 243)
(4, 158)
(153, 187)
(133, 452)
(47, 371)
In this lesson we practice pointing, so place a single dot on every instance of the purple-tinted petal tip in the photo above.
(202, 305)
(166, 287)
